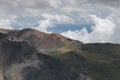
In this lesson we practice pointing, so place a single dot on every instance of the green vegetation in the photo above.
(98, 61)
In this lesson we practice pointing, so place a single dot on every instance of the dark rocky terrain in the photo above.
(21, 61)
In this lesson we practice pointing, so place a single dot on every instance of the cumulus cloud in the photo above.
(81, 35)
(6, 21)
(5, 24)
(49, 21)
(112, 3)
(22, 7)
(102, 31)
(48, 13)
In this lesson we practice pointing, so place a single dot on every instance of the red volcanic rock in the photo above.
(41, 40)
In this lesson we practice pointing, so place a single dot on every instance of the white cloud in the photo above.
(81, 35)
(102, 31)
(5, 24)
(112, 3)
(49, 21)
(51, 12)
(6, 21)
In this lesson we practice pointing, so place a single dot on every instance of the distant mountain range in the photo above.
(29, 54)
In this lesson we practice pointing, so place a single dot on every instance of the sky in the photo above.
(89, 21)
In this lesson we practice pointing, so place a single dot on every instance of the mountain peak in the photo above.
(21, 61)
(43, 41)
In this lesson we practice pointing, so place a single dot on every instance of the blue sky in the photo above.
(89, 21)
(59, 28)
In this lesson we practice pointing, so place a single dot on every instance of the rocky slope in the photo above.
(43, 41)
(21, 61)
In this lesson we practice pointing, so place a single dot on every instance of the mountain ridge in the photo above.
(96, 61)
(43, 40)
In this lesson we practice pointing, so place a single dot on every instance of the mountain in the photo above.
(95, 61)
(21, 61)
(44, 41)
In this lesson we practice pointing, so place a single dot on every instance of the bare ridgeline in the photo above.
(29, 54)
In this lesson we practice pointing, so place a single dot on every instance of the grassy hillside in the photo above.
(97, 61)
